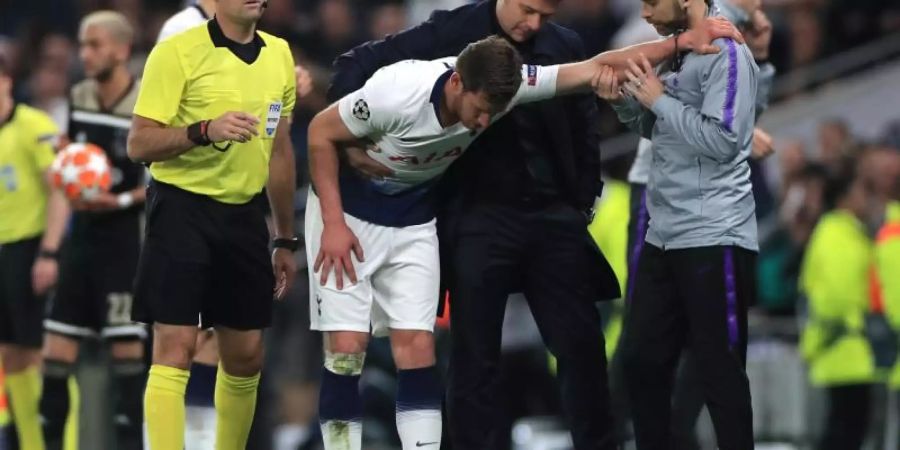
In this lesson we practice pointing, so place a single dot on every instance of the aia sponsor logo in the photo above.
(433, 157)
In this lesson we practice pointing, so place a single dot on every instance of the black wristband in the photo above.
(221, 149)
(48, 254)
(292, 244)
(197, 133)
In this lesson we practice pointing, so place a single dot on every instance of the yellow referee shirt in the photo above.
(199, 75)
(26, 152)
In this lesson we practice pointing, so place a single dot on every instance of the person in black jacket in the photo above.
(514, 219)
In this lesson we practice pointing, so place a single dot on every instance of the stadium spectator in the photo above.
(835, 281)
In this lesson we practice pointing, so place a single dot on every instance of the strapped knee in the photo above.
(345, 363)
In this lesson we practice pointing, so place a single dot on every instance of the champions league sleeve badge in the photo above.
(361, 110)
(532, 75)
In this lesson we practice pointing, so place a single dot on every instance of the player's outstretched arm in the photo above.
(576, 77)
(326, 132)
(698, 40)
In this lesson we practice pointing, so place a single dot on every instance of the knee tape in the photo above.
(345, 363)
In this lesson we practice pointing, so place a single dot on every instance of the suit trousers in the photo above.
(543, 252)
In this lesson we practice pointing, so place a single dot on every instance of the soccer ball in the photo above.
(82, 171)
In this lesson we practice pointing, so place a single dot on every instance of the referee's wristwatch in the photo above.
(48, 254)
(292, 244)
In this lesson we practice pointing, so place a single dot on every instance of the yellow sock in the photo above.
(235, 404)
(25, 396)
(164, 407)
(70, 432)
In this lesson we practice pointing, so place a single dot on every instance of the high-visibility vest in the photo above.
(834, 277)
(885, 284)
(4, 405)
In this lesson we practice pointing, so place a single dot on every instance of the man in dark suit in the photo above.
(515, 213)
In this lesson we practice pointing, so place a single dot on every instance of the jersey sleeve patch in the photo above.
(361, 110)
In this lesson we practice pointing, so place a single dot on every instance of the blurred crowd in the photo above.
(795, 199)
(38, 38)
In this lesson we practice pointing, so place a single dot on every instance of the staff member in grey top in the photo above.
(695, 276)
(687, 395)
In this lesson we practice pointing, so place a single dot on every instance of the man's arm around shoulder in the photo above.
(425, 41)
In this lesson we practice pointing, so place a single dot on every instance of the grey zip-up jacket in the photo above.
(699, 192)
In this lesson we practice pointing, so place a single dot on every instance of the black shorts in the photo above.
(96, 277)
(204, 258)
(21, 312)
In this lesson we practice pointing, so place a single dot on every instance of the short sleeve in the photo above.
(538, 83)
(289, 100)
(375, 108)
(168, 29)
(44, 139)
(162, 84)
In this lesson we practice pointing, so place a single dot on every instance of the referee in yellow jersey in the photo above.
(212, 119)
(32, 220)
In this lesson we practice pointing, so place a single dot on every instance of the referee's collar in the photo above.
(245, 52)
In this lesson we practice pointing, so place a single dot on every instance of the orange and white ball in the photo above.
(82, 171)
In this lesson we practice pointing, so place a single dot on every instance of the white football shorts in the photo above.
(397, 284)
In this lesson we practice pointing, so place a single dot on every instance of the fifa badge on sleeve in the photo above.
(272, 116)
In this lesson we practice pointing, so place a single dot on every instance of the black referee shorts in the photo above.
(204, 258)
(21, 312)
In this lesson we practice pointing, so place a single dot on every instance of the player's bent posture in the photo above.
(99, 257)
(421, 115)
(695, 276)
(31, 228)
(212, 121)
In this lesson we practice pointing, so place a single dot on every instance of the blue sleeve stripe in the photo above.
(731, 93)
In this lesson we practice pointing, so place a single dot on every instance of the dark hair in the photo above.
(837, 186)
(4, 69)
(491, 66)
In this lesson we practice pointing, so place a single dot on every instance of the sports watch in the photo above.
(291, 244)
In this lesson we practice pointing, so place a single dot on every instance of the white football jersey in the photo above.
(185, 19)
(397, 110)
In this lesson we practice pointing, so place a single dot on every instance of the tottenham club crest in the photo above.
(361, 110)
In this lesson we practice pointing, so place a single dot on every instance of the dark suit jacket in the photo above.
(571, 121)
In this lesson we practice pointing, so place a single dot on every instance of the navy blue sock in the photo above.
(418, 389)
(340, 411)
(339, 397)
(201, 386)
(419, 397)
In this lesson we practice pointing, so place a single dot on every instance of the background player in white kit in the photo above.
(421, 115)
